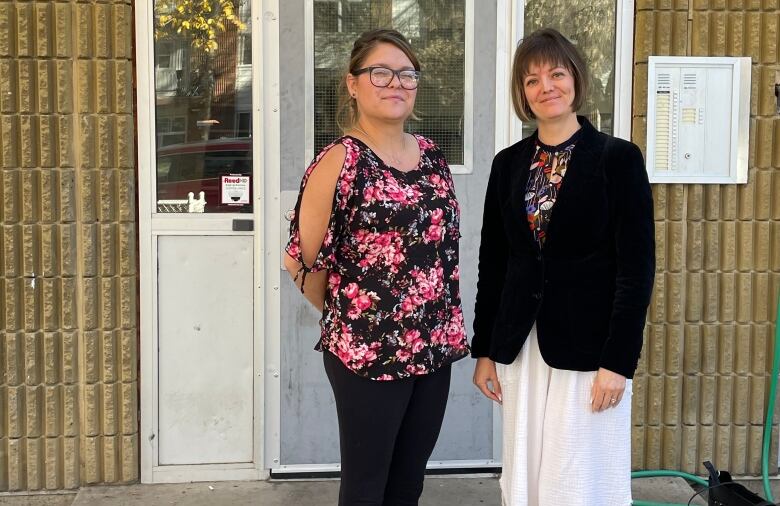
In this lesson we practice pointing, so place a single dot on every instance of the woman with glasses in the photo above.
(566, 265)
(374, 246)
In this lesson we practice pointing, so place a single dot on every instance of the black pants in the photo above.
(387, 431)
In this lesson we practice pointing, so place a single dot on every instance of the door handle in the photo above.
(243, 225)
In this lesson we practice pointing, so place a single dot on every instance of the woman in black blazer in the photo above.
(566, 266)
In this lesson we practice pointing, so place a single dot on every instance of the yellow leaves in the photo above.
(201, 20)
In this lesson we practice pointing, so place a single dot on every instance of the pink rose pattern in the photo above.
(392, 305)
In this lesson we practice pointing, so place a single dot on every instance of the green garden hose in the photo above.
(663, 472)
(770, 412)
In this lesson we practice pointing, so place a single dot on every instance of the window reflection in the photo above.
(203, 80)
(436, 30)
(590, 25)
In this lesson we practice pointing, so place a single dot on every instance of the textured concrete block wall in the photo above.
(68, 324)
(704, 377)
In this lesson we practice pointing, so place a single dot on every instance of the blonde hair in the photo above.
(347, 110)
(547, 46)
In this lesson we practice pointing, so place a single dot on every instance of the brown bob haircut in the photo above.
(546, 46)
(346, 111)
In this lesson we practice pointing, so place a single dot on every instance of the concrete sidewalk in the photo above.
(439, 491)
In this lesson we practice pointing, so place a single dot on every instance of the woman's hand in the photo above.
(607, 390)
(316, 282)
(486, 379)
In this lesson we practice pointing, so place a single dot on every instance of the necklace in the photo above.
(394, 159)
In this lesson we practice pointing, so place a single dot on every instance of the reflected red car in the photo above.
(198, 166)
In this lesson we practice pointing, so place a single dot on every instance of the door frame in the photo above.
(467, 167)
(266, 160)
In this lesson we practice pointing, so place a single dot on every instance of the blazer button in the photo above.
(539, 258)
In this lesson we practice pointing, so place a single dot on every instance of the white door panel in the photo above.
(205, 349)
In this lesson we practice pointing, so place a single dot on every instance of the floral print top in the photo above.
(548, 167)
(392, 304)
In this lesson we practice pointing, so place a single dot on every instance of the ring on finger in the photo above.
(613, 400)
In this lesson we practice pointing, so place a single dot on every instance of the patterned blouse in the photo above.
(392, 304)
(548, 166)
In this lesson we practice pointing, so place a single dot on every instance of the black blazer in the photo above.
(588, 288)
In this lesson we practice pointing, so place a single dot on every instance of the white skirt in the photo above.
(555, 450)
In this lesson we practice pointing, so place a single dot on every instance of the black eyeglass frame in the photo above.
(396, 73)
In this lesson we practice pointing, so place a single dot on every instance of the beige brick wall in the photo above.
(68, 341)
(703, 382)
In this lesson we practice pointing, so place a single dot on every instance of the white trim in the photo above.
(308, 80)
(270, 199)
(433, 464)
(222, 472)
(307, 468)
(468, 88)
(267, 144)
(509, 32)
(144, 49)
(153, 345)
(190, 223)
(468, 94)
(740, 108)
(624, 69)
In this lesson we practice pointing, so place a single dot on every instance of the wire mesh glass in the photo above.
(590, 25)
(436, 30)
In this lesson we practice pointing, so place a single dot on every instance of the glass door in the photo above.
(203, 106)
(203, 227)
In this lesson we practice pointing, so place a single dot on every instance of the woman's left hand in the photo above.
(607, 390)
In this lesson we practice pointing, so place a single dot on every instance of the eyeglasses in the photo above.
(381, 77)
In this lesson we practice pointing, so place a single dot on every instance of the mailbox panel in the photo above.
(698, 117)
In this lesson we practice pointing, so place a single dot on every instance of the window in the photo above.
(245, 49)
(203, 98)
(437, 31)
(328, 15)
(171, 130)
(163, 55)
(245, 34)
(590, 25)
(244, 124)
(601, 29)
